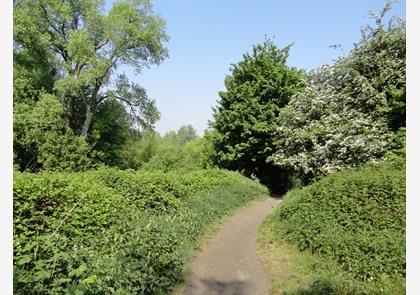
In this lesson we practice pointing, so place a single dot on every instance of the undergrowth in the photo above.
(113, 231)
(350, 226)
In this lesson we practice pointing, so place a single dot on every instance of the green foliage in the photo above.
(71, 50)
(176, 150)
(245, 119)
(139, 149)
(111, 128)
(33, 66)
(375, 71)
(355, 218)
(172, 157)
(302, 273)
(350, 112)
(113, 231)
(184, 134)
(65, 152)
(320, 133)
(39, 132)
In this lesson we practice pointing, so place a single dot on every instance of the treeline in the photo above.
(281, 125)
(176, 150)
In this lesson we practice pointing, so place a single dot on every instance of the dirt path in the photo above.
(228, 264)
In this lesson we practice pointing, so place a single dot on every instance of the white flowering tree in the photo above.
(320, 132)
(351, 112)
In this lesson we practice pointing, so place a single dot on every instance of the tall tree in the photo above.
(87, 45)
(71, 50)
(245, 119)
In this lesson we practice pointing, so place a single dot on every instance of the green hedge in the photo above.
(113, 231)
(354, 217)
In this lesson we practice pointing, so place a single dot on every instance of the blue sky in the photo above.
(207, 36)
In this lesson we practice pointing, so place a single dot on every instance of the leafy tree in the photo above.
(72, 49)
(139, 149)
(320, 132)
(350, 112)
(184, 134)
(89, 45)
(373, 74)
(245, 119)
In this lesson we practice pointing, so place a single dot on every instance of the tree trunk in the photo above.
(88, 120)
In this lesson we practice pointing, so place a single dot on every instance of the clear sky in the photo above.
(207, 36)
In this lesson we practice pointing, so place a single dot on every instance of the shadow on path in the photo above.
(214, 286)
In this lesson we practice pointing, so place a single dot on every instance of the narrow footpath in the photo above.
(228, 264)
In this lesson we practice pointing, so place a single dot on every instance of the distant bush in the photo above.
(172, 157)
(353, 217)
(176, 150)
(169, 159)
(113, 231)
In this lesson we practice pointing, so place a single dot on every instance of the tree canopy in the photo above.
(245, 118)
(72, 50)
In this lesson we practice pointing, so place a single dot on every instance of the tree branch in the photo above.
(99, 45)
(48, 19)
(101, 99)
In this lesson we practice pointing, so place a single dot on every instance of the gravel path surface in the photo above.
(228, 264)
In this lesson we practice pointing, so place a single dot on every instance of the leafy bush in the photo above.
(42, 141)
(113, 231)
(172, 158)
(353, 217)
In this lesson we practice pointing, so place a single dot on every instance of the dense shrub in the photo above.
(112, 231)
(171, 158)
(354, 217)
(42, 141)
